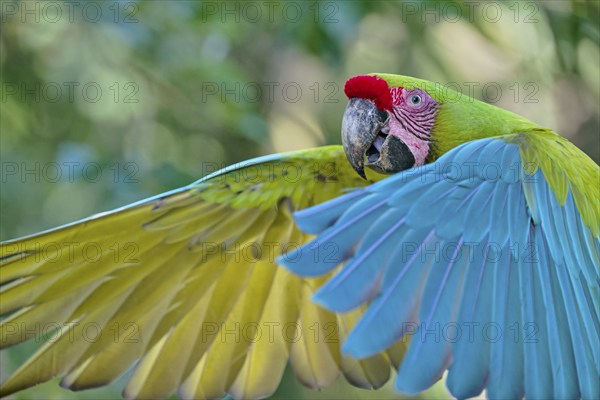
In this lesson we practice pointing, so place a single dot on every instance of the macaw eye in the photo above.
(415, 100)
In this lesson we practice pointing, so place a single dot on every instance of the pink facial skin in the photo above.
(411, 120)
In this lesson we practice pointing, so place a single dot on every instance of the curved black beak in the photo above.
(366, 140)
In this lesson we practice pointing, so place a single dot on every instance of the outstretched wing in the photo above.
(185, 284)
(488, 258)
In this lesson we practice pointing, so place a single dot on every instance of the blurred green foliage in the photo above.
(107, 102)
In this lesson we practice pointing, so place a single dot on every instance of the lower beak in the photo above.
(363, 136)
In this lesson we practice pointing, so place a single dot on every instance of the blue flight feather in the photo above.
(428, 354)
(534, 337)
(331, 247)
(506, 353)
(561, 352)
(358, 281)
(389, 315)
(320, 217)
(467, 375)
(589, 384)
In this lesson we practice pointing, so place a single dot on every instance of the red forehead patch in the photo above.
(369, 87)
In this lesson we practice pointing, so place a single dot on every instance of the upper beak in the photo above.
(365, 135)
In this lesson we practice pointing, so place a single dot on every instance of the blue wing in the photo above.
(475, 263)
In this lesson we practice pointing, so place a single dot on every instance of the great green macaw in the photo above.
(480, 256)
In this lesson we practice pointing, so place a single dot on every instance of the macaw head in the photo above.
(393, 122)
(387, 128)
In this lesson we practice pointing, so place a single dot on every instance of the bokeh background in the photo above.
(107, 102)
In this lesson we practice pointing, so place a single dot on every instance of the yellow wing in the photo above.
(185, 285)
